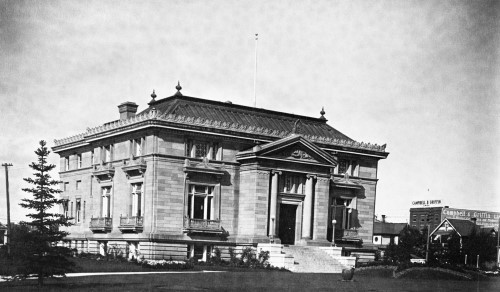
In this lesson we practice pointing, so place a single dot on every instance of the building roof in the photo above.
(463, 227)
(187, 112)
(243, 115)
(386, 228)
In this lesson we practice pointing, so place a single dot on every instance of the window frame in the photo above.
(106, 201)
(136, 194)
(78, 160)
(292, 182)
(213, 150)
(208, 208)
(78, 210)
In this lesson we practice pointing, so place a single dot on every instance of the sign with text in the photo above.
(426, 203)
(484, 218)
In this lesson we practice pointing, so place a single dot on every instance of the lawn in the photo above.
(251, 281)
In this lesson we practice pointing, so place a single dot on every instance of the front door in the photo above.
(287, 223)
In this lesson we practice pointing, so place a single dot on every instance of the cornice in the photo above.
(153, 118)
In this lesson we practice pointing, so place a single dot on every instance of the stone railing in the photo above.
(346, 233)
(202, 224)
(101, 224)
(131, 223)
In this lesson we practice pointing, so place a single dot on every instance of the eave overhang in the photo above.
(153, 119)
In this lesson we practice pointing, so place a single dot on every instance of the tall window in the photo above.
(137, 147)
(78, 210)
(293, 184)
(65, 206)
(343, 166)
(71, 209)
(106, 153)
(202, 149)
(200, 203)
(78, 183)
(79, 161)
(344, 213)
(66, 163)
(83, 215)
(136, 199)
(106, 202)
(66, 186)
(350, 167)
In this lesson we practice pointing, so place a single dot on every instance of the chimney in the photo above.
(383, 218)
(127, 110)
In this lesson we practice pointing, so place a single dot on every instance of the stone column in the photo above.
(307, 214)
(273, 203)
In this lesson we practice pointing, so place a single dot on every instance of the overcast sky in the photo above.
(421, 76)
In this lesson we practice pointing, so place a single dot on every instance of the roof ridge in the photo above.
(236, 106)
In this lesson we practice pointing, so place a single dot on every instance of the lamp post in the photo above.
(333, 232)
(272, 229)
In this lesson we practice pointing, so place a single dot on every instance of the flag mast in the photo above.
(255, 73)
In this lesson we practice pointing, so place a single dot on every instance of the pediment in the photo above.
(296, 152)
(295, 148)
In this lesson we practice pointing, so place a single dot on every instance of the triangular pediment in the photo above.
(293, 148)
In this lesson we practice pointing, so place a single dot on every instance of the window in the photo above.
(200, 149)
(65, 206)
(78, 183)
(343, 165)
(79, 161)
(71, 210)
(83, 215)
(293, 184)
(350, 167)
(200, 202)
(91, 157)
(136, 208)
(66, 163)
(137, 147)
(106, 202)
(106, 155)
(78, 210)
(66, 186)
(344, 212)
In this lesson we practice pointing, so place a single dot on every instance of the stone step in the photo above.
(311, 259)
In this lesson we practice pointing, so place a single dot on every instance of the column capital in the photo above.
(313, 176)
(278, 172)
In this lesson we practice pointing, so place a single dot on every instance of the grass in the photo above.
(258, 280)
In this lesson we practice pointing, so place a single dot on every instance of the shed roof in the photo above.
(386, 228)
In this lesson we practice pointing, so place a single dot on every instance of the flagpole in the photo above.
(255, 73)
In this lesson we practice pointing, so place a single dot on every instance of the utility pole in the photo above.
(498, 243)
(6, 165)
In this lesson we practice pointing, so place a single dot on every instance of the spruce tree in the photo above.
(41, 254)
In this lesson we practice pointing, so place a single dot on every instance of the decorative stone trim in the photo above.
(184, 120)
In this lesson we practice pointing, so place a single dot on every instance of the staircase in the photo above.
(312, 259)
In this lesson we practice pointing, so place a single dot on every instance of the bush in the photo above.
(167, 265)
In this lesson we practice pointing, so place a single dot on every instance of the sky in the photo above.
(420, 76)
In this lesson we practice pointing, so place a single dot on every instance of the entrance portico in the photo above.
(296, 200)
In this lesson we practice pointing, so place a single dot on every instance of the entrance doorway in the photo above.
(287, 223)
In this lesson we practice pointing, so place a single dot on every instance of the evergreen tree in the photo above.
(40, 254)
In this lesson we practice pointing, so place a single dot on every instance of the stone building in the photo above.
(188, 174)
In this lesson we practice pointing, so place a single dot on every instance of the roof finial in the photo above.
(153, 96)
(178, 87)
(322, 112)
